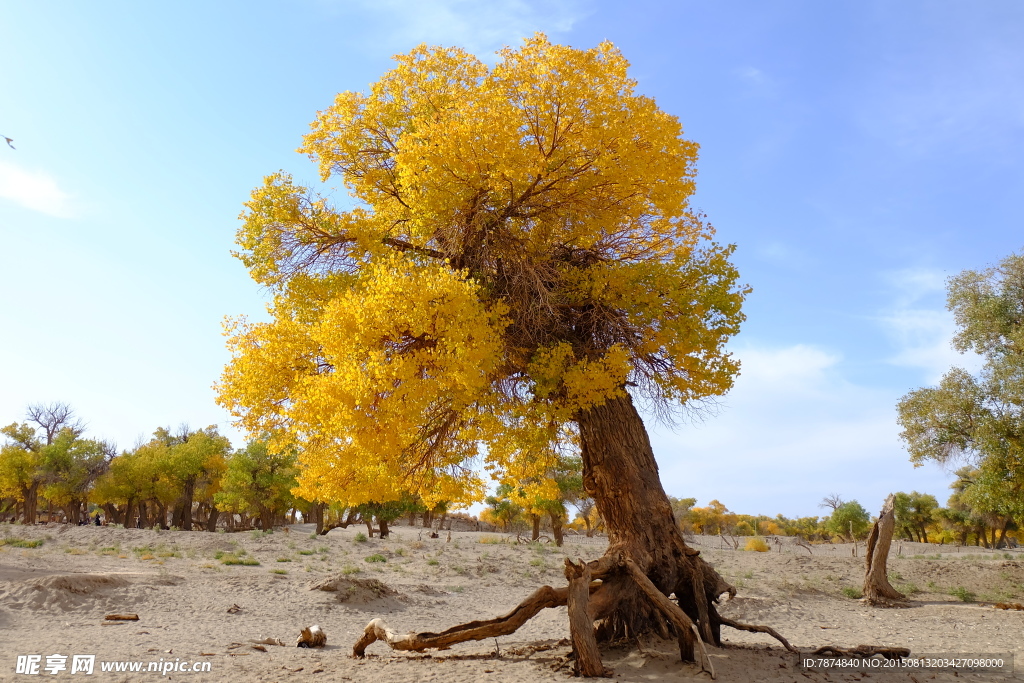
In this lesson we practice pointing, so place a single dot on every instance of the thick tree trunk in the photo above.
(877, 589)
(30, 498)
(556, 528)
(621, 475)
(182, 515)
(383, 524)
(211, 521)
(536, 527)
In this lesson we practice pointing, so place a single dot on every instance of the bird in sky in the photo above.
(9, 141)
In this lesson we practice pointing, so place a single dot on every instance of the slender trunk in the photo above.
(877, 589)
(383, 523)
(412, 518)
(536, 527)
(621, 475)
(427, 519)
(368, 521)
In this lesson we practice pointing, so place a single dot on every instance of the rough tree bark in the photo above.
(621, 475)
(556, 528)
(30, 496)
(877, 589)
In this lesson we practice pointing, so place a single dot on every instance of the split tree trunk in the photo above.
(877, 589)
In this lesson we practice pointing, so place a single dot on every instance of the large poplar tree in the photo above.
(520, 261)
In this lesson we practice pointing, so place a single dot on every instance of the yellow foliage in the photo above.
(523, 249)
(757, 545)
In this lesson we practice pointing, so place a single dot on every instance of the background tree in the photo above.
(914, 513)
(258, 481)
(21, 460)
(521, 253)
(849, 520)
(979, 420)
(682, 510)
(70, 466)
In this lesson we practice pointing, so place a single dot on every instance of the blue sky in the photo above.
(857, 152)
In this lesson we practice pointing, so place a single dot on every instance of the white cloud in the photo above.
(792, 430)
(479, 27)
(921, 327)
(35, 190)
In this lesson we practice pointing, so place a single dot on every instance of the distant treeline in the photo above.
(193, 479)
(918, 518)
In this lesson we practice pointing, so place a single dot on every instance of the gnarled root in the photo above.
(760, 629)
(542, 598)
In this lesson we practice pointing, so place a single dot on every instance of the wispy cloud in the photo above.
(793, 429)
(479, 27)
(951, 95)
(35, 190)
(920, 326)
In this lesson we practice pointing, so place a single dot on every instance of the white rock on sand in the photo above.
(194, 608)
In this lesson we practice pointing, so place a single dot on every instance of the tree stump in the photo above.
(877, 589)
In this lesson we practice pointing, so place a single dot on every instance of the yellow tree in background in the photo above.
(520, 256)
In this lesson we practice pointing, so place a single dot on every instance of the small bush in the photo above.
(400, 552)
(306, 552)
(284, 559)
(237, 559)
(360, 537)
(536, 562)
(852, 593)
(963, 594)
(757, 545)
(433, 562)
(21, 542)
(376, 558)
(349, 569)
(491, 539)
(279, 571)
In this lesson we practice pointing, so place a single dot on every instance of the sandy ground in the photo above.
(192, 607)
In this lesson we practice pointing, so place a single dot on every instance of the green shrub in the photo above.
(360, 537)
(237, 559)
(963, 594)
(852, 593)
(279, 571)
(376, 558)
(21, 542)
(433, 562)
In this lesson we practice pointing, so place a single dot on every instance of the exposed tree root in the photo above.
(582, 612)
(542, 598)
(760, 629)
(581, 624)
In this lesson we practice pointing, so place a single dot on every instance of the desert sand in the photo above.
(194, 608)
